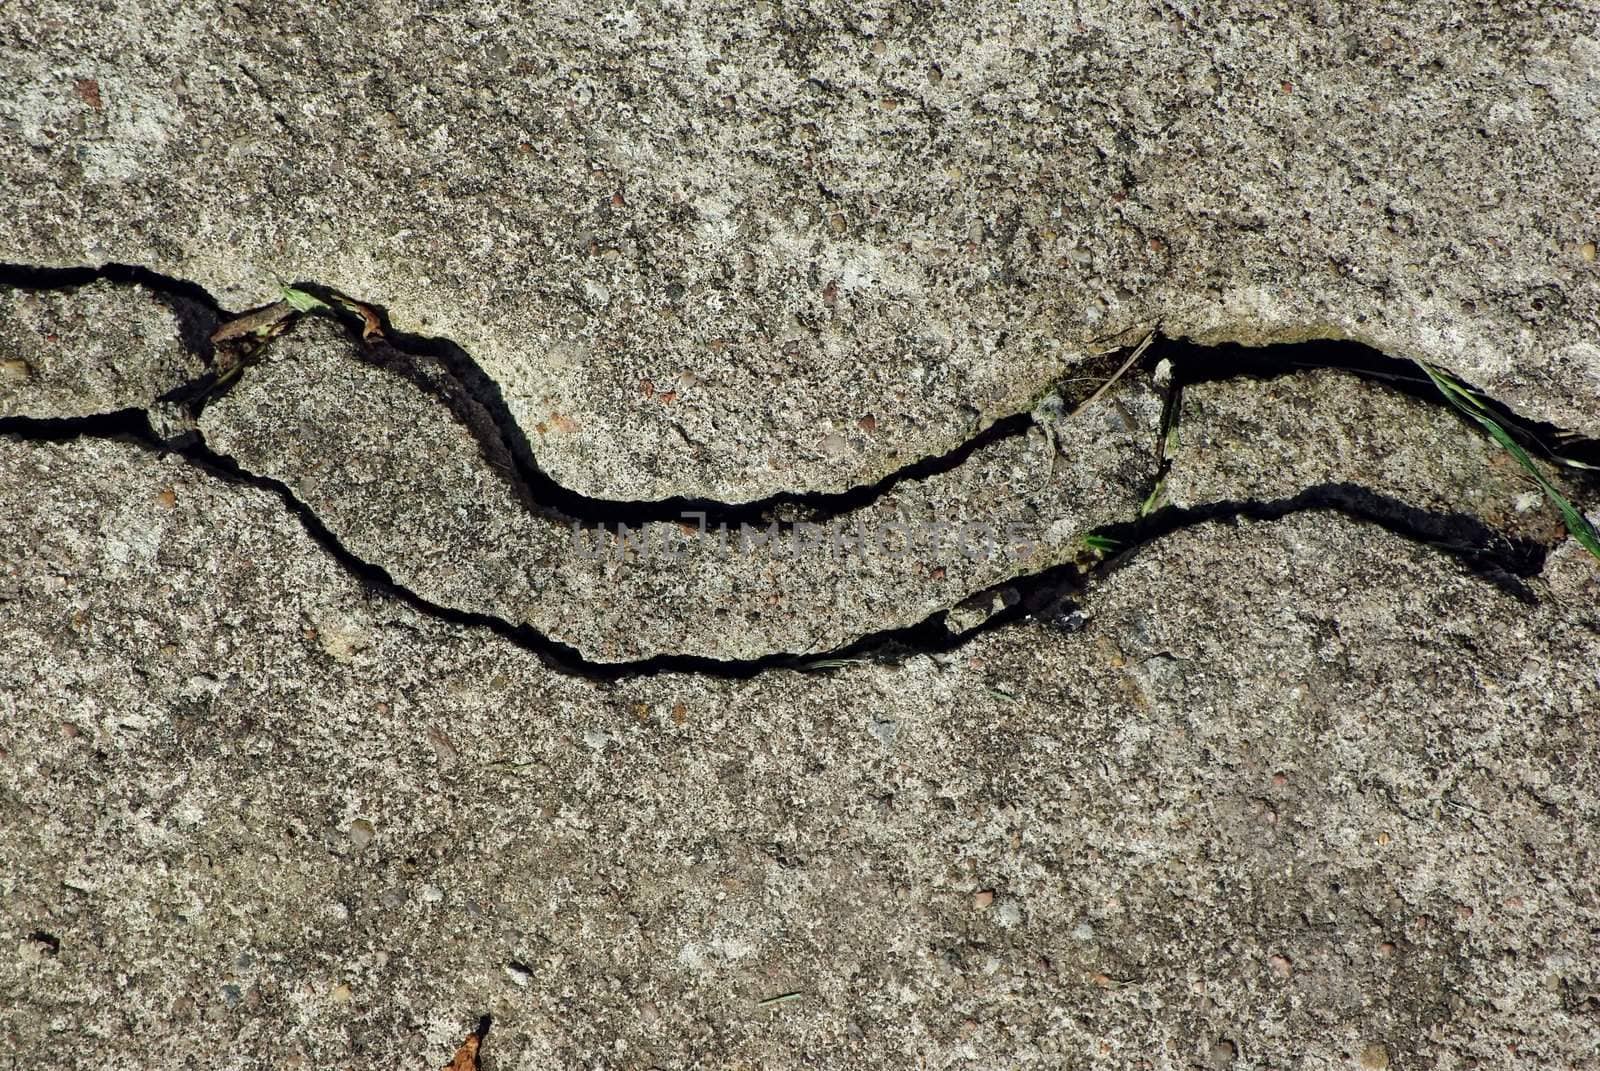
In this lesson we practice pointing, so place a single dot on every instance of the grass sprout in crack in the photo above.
(1472, 405)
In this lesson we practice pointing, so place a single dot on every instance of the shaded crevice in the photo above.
(1193, 363)
(1482, 550)
(132, 426)
(197, 313)
(1049, 595)
(119, 425)
(445, 371)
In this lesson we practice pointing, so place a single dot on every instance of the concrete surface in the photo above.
(412, 488)
(424, 506)
(698, 242)
(1249, 439)
(91, 349)
(1295, 794)
(321, 738)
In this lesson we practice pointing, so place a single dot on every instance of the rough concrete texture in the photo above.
(286, 782)
(427, 508)
(1252, 439)
(1298, 794)
(91, 349)
(403, 483)
(705, 242)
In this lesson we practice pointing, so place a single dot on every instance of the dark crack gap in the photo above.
(132, 426)
(1048, 595)
(443, 369)
(198, 314)
(446, 371)
(1194, 362)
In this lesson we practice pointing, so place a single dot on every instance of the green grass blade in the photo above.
(300, 301)
(1463, 399)
(1156, 499)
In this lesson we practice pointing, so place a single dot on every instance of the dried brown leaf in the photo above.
(466, 1057)
(370, 324)
(261, 324)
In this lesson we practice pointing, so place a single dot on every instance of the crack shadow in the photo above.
(1048, 595)
(445, 371)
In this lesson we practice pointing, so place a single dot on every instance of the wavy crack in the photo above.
(1050, 593)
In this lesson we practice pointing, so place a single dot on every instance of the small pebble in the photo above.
(362, 833)
(443, 749)
(833, 443)
(88, 89)
(981, 900)
(883, 730)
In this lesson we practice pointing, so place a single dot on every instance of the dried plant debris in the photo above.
(467, 1056)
